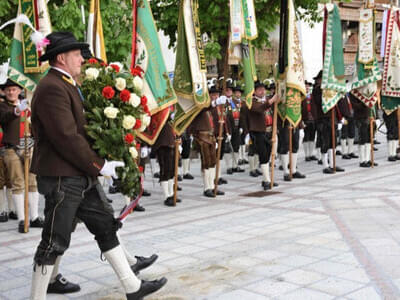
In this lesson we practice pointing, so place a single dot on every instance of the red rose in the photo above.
(141, 169)
(129, 138)
(108, 92)
(103, 64)
(115, 67)
(137, 124)
(143, 100)
(137, 145)
(92, 61)
(125, 95)
(137, 71)
(146, 109)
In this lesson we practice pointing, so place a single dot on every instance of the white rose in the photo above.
(128, 122)
(133, 152)
(111, 112)
(142, 128)
(138, 83)
(91, 73)
(120, 83)
(146, 120)
(134, 100)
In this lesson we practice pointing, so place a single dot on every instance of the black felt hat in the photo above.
(8, 83)
(319, 75)
(213, 90)
(61, 42)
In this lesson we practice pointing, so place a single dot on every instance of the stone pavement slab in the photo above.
(323, 237)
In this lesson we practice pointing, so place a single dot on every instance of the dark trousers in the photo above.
(283, 137)
(349, 130)
(68, 198)
(186, 144)
(263, 145)
(363, 131)
(309, 131)
(235, 139)
(166, 160)
(206, 144)
(324, 128)
(392, 126)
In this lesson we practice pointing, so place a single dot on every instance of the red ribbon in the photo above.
(129, 208)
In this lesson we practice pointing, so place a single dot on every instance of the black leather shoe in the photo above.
(188, 176)
(253, 173)
(245, 161)
(352, 155)
(146, 193)
(392, 158)
(308, 159)
(286, 177)
(339, 169)
(229, 171)
(109, 200)
(320, 162)
(338, 152)
(370, 164)
(177, 199)
(258, 172)
(298, 175)
(222, 181)
(280, 168)
(143, 263)
(266, 185)
(156, 175)
(169, 202)
(146, 288)
(238, 170)
(12, 215)
(220, 193)
(179, 188)
(180, 178)
(376, 149)
(139, 208)
(364, 165)
(240, 162)
(62, 286)
(328, 171)
(346, 156)
(209, 194)
(37, 223)
(3, 217)
(313, 157)
(21, 227)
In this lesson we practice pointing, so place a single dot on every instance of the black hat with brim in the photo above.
(213, 90)
(259, 84)
(61, 42)
(238, 89)
(9, 83)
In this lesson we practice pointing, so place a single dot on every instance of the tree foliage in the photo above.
(66, 15)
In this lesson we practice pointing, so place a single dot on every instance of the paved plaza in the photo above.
(323, 237)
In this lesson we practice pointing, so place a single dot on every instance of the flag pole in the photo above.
(333, 138)
(273, 140)
(26, 169)
(371, 133)
(177, 143)
(290, 150)
(134, 24)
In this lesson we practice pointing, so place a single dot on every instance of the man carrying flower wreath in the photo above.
(67, 168)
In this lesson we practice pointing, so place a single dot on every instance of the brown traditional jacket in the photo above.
(202, 122)
(256, 116)
(166, 138)
(58, 125)
(10, 124)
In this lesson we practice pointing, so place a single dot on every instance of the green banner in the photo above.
(290, 109)
(149, 58)
(249, 71)
(390, 104)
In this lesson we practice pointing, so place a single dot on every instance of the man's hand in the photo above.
(23, 105)
(221, 100)
(228, 137)
(274, 99)
(109, 168)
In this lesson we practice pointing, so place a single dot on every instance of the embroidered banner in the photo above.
(366, 44)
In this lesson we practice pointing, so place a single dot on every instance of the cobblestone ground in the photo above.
(323, 237)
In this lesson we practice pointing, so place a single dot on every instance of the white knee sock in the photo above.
(361, 153)
(171, 187)
(330, 154)
(294, 163)
(235, 159)
(10, 201)
(368, 152)
(185, 166)
(319, 154)
(350, 146)
(265, 171)
(55, 269)
(34, 205)
(325, 160)
(211, 177)
(285, 163)
(205, 179)
(256, 161)
(40, 281)
(122, 269)
(131, 259)
(311, 148)
(19, 205)
(343, 144)
(228, 160)
(2, 201)
(164, 187)
(251, 163)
